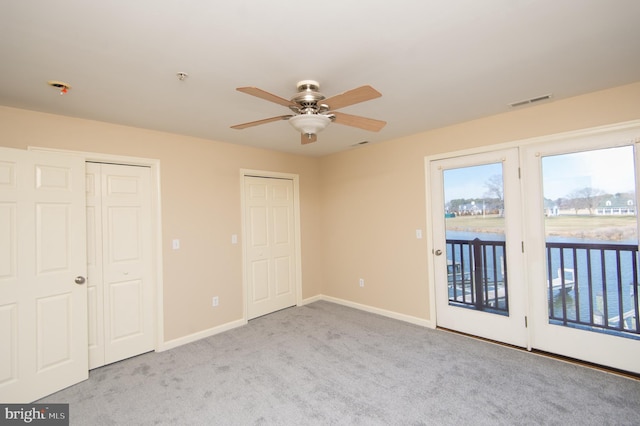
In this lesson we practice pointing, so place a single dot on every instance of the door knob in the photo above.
(438, 252)
(80, 280)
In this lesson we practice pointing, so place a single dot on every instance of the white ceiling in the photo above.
(436, 62)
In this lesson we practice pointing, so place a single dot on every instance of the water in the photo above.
(610, 274)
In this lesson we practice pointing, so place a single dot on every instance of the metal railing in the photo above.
(592, 286)
(477, 275)
(595, 286)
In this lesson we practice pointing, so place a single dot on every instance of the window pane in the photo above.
(591, 239)
(476, 261)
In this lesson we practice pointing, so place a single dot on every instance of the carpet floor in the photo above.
(327, 364)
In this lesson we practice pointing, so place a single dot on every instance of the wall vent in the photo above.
(530, 101)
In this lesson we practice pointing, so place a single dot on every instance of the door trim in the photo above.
(156, 217)
(296, 212)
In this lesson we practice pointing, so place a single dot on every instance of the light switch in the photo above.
(234, 239)
(419, 234)
(175, 244)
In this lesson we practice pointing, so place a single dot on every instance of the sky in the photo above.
(469, 182)
(611, 170)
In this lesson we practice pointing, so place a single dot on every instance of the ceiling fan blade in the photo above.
(305, 139)
(350, 97)
(259, 122)
(254, 91)
(360, 122)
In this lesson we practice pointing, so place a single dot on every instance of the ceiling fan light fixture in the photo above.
(313, 111)
(309, 124)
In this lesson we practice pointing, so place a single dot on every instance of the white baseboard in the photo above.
(239, 323)
(311, 300)
(200, 335)
(367, 308)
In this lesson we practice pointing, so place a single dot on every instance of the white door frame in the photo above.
(296, 212)
(156, 243)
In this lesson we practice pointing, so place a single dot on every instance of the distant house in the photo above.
(469, 209)
(552, 211)
(616, 205)
(551, 208)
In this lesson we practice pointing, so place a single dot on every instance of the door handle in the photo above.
(438, 252)
(80, 280)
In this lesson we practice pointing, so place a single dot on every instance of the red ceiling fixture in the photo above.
(64, 87)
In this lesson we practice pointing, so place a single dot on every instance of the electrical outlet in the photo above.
(361, 282)
(215, 301)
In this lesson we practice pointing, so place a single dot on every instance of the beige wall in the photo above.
(359, 208)
(200, 205)
(373, 197)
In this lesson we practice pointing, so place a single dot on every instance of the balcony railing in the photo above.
(476, 273)
(591, 286)
(595, 286)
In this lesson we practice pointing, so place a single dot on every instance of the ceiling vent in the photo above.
(530, 101)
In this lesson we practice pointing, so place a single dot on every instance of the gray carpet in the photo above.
(326, 364)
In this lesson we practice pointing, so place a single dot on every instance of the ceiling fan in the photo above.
(313, 111)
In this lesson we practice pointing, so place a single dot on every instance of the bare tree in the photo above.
(585, 198)
(495, 192)
(495, 187)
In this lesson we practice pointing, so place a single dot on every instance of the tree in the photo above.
(495, 191)
(495, 187)
(585, 198)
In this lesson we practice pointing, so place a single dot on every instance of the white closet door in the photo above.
(121, 277)
(95, 282)
(43, 294)
(270, 239)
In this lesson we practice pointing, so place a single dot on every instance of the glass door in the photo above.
(583, 258)
(475, 210)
